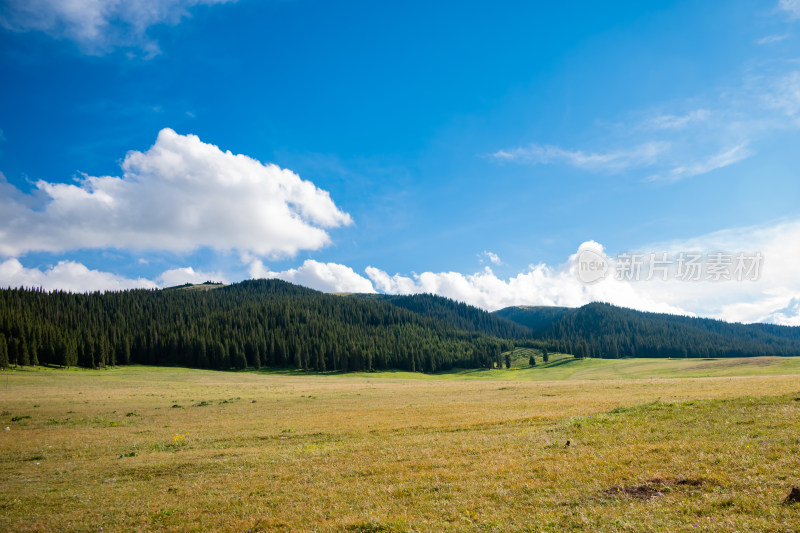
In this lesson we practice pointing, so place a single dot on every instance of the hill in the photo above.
(604, 330)
(537, 319)
(456, 314)
(254, 323)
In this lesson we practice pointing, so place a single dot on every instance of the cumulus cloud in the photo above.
(766, 299)
(66, 276)
(788, 315)
(772, 297)
(643, 155)
(538, 285)
(72, 276)
(180, 195)
(326, 277)
(98, 26)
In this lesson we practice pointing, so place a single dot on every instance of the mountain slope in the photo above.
(456, 314)
(537, 319)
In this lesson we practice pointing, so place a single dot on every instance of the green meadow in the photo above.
(573, 445)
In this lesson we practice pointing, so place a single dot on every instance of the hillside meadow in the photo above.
(654, 445)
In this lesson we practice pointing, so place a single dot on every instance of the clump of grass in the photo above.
(103, 422)
(162, 516)
(178, 441)
(201, 404)
(18, 418)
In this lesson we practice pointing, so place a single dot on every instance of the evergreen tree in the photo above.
(24, 356)
(3, 352)
(13, 351)
(238, 359)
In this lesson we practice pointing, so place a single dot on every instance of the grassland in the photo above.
(140, 449)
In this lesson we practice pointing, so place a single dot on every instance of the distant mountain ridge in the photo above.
(605, 330)
(274, 323)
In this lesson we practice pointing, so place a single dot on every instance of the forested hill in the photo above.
(457, 314)
(537, 319)
(253, 323)
(603, 330)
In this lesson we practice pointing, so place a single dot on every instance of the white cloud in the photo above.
(792, 7)
(788, 315)
(326, 277)
(493, 257)
(181, 276)
(643, 155)
(98, 26)
(180, 195)
(769, 39)
(714, 162)
(785, 95)
(674, 122)
(751, 301)
(66, 276)
(772, 297)
(71, 276)
(539, 285)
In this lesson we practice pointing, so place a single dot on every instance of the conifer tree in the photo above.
(3, 352)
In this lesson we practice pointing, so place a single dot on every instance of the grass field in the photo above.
(653, 447)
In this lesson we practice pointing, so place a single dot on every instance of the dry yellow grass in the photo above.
(139, 449)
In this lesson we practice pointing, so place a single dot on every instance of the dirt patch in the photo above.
(642, 492)
(690, 482)
(652, 488)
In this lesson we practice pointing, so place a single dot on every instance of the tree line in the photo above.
(250, 324)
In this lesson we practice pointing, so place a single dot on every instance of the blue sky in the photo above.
(464, 148)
